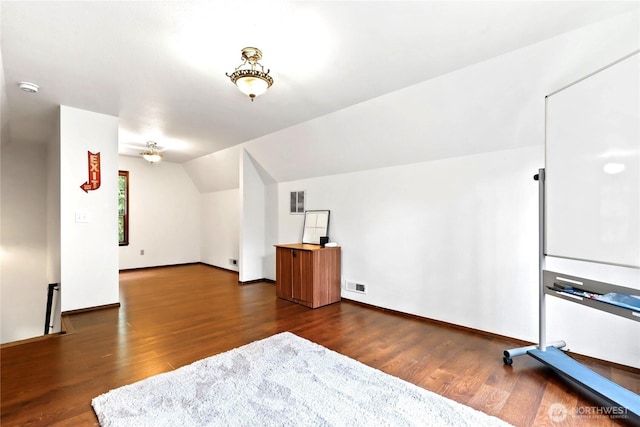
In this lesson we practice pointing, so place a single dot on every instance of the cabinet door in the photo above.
(303, 275)
(284, 269)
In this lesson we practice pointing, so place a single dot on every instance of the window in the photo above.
(296, 205)
(123, 208)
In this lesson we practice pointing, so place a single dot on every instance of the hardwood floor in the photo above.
(170, 317)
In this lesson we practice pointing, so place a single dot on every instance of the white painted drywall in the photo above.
(271, 232)
(220, 228)
(4, 106)
(216, 171)
(164, 215)
(53, 224)
(456, 240)
(89, 251)
(4, 139)
(252, 223)
(493, 105)
(23, 240)
(453, 240)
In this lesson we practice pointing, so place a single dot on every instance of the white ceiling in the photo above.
(160, 66)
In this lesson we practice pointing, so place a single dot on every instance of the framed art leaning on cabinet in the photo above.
(316, 225)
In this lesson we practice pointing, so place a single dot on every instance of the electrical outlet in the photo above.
(141, 251)
(233, 261)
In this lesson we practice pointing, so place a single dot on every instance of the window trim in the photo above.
(125, 217)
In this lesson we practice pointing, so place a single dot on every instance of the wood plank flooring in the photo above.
(173, 316)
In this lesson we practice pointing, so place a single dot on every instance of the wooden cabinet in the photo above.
(308, 274)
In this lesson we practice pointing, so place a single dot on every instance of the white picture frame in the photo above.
(316, 225)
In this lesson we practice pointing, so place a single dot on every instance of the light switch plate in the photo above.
(81, 217)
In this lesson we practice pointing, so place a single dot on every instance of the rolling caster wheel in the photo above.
(507, 360)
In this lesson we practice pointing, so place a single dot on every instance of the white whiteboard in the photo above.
(592, 167)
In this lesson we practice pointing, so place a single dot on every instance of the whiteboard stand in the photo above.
(542, 323)
(619, 399)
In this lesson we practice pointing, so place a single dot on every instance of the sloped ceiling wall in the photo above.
(216, 171)
(493, 105)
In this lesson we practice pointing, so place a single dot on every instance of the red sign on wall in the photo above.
(93, 183)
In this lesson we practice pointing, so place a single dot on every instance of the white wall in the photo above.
(241, 223)
(220, 228)
(164, 215)
(23, 239)
(89, 251)
(453, 240)
(252, 222)
(4, 139)
(53, 224)
(493, 105)
(456, 240)
(454, 237)
(216, 171)
(272, 229)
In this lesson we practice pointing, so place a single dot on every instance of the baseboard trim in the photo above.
(217, 267)
(88, 309)
(157, 266)
(34, 339)
(67, 326)
(516, 341)
(251, 282)
(248, 282)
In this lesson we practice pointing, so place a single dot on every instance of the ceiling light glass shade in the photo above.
(251, 81)
(152, 158)
(252, 86)
(152, 154)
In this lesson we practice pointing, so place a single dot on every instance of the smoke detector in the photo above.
(28, 87)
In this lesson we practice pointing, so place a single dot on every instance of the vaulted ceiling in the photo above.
(160, 66)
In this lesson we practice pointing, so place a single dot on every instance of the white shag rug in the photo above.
(283, 380)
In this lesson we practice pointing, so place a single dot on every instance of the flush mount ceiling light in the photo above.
(152, 154)
(28, 87)
(251, 81)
